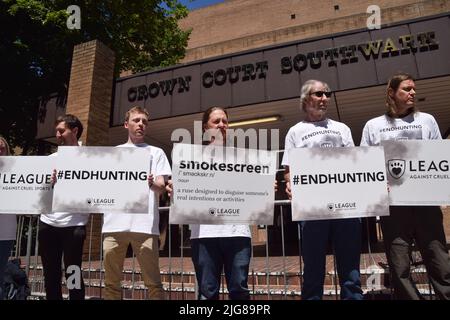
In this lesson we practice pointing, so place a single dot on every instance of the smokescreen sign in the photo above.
(25, 184)
(336, 183)
(418, 172)
(102, 179)
(222, 185)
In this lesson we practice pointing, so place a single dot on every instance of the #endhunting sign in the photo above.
(336, 183)
(101, 179)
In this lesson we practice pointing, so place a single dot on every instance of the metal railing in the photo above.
(94, 278)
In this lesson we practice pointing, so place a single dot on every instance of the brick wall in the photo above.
(89, 98)
(238, 25)
(90, 90)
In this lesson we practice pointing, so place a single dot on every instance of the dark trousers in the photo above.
(345, 235)
(422, 225)
(5, 252)
(211, 255)
(54, 245)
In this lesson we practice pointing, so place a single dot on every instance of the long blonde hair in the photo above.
(8, 151)
(394, 84)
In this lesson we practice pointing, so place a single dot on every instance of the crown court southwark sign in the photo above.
(345, 61)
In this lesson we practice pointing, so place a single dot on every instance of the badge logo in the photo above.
(396, 168)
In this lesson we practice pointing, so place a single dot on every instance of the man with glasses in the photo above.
(316, 130)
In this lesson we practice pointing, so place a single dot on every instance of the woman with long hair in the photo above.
(217, 247)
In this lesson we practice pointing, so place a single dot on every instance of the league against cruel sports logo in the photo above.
(396, 168)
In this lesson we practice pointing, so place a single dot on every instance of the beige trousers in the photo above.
(145, 247)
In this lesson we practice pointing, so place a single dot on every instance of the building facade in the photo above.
(252, 56)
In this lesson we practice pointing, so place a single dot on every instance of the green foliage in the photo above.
(36, 49)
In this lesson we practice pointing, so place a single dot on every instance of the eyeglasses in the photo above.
(319, 94)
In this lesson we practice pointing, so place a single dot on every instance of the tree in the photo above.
(36, 49)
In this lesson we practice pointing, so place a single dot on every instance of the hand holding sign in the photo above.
(169, 187)
(150, 180)
(54, 179)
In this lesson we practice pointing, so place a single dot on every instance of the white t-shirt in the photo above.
(8, 226)
(415, 126)
(64, 219)
(219, 231)
(145, 222)
(326, 134)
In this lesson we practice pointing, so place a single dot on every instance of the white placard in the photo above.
(335, 183)
(25, 184)
(101, 179)
(218, 185)
(418, 172)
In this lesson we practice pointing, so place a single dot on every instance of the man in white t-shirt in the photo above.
(140, 230)
(316, 130)
(408, 225)
(62, 234)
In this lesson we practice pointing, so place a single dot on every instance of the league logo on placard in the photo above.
(330, 206)
(396, 168)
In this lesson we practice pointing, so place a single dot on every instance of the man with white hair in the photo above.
(316, 130)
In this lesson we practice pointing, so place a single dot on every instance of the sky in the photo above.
(195, 4)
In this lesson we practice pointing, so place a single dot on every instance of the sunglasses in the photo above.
(319, 94)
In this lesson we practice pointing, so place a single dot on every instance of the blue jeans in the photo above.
(210, 255)
(5, 252)
(345, 235)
